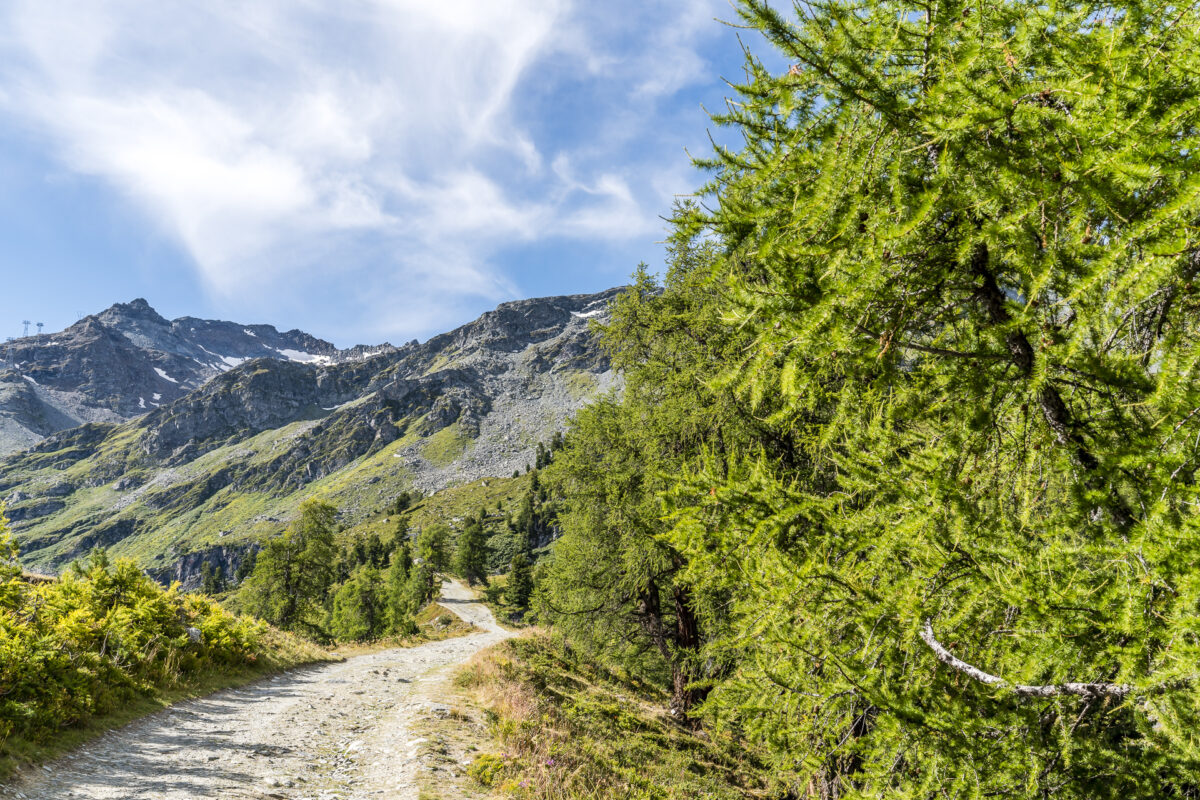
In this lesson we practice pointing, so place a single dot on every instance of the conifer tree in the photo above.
(433, 546)
(293, 572)
(963, 239)
(212, 580)
(520, 582)
(471, 554)
(614, 581)
(400, 607)
(422, 586)
(359, 606)
(246, 565)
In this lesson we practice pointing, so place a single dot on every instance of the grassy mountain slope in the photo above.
(202, 478)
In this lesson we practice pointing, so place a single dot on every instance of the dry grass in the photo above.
(565, 727)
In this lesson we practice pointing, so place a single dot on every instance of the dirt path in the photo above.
(334, 731)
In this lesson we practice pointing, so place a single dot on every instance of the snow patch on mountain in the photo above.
(302, 357)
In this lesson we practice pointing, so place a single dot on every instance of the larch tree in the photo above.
(963, 237)
(293, 572)
(471, 551)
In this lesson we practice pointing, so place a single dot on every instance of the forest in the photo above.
(902, 483)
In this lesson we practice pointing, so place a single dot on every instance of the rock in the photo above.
(35, 510)
(469, 404)
(128, 482)
(128, 360)
(195, 636)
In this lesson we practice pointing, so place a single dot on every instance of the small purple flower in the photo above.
(550, 762)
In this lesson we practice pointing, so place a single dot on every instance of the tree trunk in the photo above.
(1054, 410)
(685, 666)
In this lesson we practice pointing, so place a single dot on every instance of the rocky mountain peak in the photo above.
(126, 361)
(233, 426)
(138, 308)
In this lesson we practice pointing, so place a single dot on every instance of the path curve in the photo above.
(324, 732)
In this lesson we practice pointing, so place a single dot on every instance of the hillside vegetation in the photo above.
(207, 476)
(105, 640)
(568, 726)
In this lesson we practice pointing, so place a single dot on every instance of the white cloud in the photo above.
(282, 142)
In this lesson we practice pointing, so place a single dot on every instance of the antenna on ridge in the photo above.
(26, 323)
(40, 325)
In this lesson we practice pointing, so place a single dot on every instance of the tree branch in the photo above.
(1052, 690)
(939, 351)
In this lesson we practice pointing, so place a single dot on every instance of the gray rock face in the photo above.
(201, 478)
(188, 568)
(128, 360)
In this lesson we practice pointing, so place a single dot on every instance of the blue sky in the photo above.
(364, 170)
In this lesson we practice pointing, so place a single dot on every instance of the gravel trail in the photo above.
(325, 732)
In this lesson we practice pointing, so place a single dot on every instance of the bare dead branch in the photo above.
(1052, 690)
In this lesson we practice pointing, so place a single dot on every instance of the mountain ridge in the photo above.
(224, 465)
(127, 360)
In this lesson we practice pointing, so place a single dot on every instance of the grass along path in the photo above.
(334, 731)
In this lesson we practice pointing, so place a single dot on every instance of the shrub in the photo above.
(104, 633)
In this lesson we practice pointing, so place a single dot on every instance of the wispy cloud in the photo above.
(392, 145)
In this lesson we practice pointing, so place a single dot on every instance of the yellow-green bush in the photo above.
(102, 634)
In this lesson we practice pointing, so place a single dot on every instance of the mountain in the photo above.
(210, 471)
(125, 362)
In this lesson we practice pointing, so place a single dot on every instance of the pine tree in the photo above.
(246, 565)
(422, 586)
(520, 582)
(471, 554)
(614, 581)
(359, 606)
(433, 546)
(212, 579)
(293, 572)
(400, 607)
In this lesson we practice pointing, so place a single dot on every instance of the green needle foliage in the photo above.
(294, 571)
(433, 546)
(520, 582)
(367, 589)
(471, 553)
(963, 239)
(614, 582)
(359, 606)
(928, 487)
